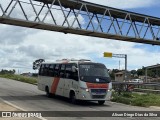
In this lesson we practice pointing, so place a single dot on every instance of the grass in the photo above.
(135, 99)
(19, 78)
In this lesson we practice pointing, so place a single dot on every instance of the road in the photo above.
(29, 98)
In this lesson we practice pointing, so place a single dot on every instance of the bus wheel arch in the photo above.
(101, 102)
(48, 94)
(72, 97)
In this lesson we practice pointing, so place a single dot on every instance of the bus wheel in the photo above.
(101, 102)
(72, 97)
(47, 92)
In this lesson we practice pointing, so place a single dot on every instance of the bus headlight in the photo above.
(86, 89)
(109, 90)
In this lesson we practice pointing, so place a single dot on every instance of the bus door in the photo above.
(71, 81)
(58, 80)
(67, 81)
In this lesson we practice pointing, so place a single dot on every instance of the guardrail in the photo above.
(137, 87)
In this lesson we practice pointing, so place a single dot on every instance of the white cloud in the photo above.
(21, 46)
(53, 45)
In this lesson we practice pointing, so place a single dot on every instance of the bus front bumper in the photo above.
(87, 95)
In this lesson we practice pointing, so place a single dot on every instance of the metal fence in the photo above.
(137, 87)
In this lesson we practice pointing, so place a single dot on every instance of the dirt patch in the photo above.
(6, 107)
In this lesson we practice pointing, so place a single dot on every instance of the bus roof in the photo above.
(70, 61)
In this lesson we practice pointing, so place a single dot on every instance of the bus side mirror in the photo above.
(74, 69)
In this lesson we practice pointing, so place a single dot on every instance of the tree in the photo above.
(141, 72)
(37, 63)
(7, 71)
(133, 73)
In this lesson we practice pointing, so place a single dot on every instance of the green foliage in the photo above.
(133, 73)
(127, 95)
(140, 72)
(136, 99)
(151, 72)
(19, 78)
(2, 72)
(37, 63)
(121, 99)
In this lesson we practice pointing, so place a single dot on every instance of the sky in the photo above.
(20, 47)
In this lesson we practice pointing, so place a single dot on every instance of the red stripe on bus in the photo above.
(95, 85)
(55, 85)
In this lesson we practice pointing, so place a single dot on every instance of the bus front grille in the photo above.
(98, 91)
(98, 96)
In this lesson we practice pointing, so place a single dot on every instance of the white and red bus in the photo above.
(76, 80)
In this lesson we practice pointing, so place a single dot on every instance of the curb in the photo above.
(155, 107)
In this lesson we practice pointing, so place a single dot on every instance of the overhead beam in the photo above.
(66, 30)
(99, 9)
(99, 21)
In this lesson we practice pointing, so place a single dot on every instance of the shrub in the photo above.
(20, 78)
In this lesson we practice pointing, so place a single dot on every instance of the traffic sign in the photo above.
(107, 54)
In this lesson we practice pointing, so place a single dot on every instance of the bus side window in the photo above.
(56, 70)
(51, 70)
(62, 71)
(74, 75)
(70, 74)
(68, 71)
(41, 70)
(46, 70)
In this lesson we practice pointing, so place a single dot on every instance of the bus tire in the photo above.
(48, 94)
(72, 97)
(101, 102)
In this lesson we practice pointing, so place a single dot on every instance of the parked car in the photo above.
(136, 81)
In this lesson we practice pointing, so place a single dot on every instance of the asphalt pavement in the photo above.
(28, 97)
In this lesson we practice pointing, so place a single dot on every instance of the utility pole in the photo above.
(125, 67)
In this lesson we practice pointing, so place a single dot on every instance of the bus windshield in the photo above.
(94, 72)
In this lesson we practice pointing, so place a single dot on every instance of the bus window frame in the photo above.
(63, 71)
(45, 70)
(40, 70)
(56, 71)
(51, 70)
(72, 74)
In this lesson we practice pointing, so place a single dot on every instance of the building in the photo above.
(120, 76)
(27, 74)
(156, 77)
